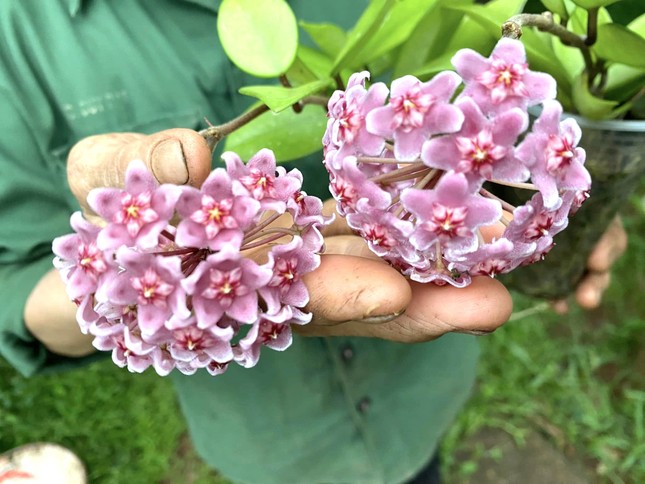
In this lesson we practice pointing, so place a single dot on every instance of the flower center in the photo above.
(448, 222)
(344, 192)
(215, 215)
(192, 339)
(135, 212)
(410, 108)
(348, 122)
(259, 184)
(378, 235)
(504, 80)
(539, 227)
(271, 331)
(479, 154)
(151, 288)
(90, 259)
(559, 154)
(224, 286)
(285, 273)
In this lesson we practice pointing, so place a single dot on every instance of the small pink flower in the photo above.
(138, 213)
(449, 214)
(346, 130)
(503, 80)
(551, 154)
(226, 283)
(416, 110)
(78, 258)
(483, 148)
(217, 214)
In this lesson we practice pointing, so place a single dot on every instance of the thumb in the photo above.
(178, 156)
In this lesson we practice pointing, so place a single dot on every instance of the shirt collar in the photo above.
(75, 6)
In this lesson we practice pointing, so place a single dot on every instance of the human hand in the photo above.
(354, 293)
(607, 251)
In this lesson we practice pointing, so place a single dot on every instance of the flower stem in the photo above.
(525, 186)
(275, 234)
(168, 235)
(405, 173)
(391, 161)
(261, 225)
(505, 205)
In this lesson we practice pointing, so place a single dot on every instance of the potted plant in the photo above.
(600, 69)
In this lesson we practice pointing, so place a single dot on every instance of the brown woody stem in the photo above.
(214, 134)
(512, 28)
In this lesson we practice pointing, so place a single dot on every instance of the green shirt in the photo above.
(325, 410)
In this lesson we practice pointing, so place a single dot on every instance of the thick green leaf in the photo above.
(470, 35)
(260, 37)
(299, 73)
(578, 19)
(328, 37)
(492, 15)
(279, 98)
(315, 61)
(619, 44)
(638, 25)
(587, 104)
(428, 40)
(290, 135)
(396, 27)
(594, 3)
(624, 82)
(362, 32)
(435, 66)
(556, 6)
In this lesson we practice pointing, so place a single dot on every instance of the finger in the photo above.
(347, 288)
(179, 156)
(434, 311)
(609, 248)
(590, 290)
(339, 225)
(493, 231)
(479, 308)
(350, 245)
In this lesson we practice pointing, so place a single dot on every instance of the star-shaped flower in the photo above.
(503, 80)
(416, 110)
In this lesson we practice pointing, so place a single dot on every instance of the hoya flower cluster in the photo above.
(189, 278)
(414, 168)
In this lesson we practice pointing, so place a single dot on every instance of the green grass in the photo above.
(577, 379)
(124, 427)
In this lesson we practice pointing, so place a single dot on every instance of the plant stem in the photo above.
(214, 134)
(512, 28)
(592, 26)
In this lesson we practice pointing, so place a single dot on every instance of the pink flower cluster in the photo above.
(189, 278)
(414, 168)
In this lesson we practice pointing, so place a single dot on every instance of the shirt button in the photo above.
(363, 404)
(347, 353)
